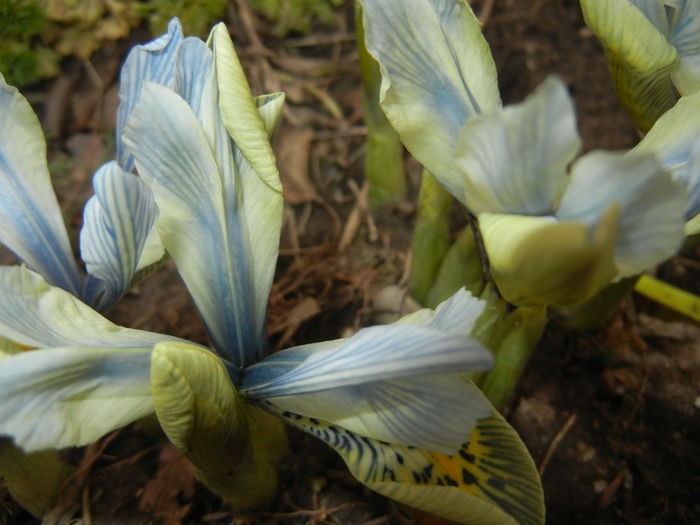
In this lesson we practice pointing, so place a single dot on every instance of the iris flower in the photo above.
(555, 230)
(392, 400)
(116, 239)
(653, 51)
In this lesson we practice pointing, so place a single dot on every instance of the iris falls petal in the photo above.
(490, 480)
(72, 396)
(35, 314)
(31, 224)
(434, 412)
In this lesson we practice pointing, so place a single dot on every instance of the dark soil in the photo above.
(612, 418)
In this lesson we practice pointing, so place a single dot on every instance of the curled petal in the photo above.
(458, 314)
(539, 261)
(116, 223)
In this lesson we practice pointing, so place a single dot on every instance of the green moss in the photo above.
(196, 17)
(20, 19)
(295, 15)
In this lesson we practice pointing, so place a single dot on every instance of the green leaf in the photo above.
(431, 235)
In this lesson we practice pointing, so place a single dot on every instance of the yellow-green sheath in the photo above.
(460, 267)
(34, 479)
(201, 413)
(384, 167)
(431, 236)
(522, 329)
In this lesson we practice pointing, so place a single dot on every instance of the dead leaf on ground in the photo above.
(174, 479)
(293, 153)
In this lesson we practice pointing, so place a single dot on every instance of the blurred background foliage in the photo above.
(36, 34)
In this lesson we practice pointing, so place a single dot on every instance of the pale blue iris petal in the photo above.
(194, 67)
(72, 396)
(374, 354)
(685, 37)
(437, 72)
(685, 26)
(116, 223)
(514, 160)
(31, 224)
(432, 412)
(656, 13)
(151, 62)
(457, 314)
(675, 138)
(284, 361)
(203, 233)
(651, 205)
(35, 314)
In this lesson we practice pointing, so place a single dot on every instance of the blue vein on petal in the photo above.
(29, 222)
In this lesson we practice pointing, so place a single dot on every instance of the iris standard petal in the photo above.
(675, 139)
(203, 232)
(640, 59)
(239, 110)
(249, 123)
(151, 62)
(437, 71)
(116, 223)
(31, 224)
(72, 396)
(35, 314)
(514, 160)
(651, 205)
(373, 354)
(490, 480)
